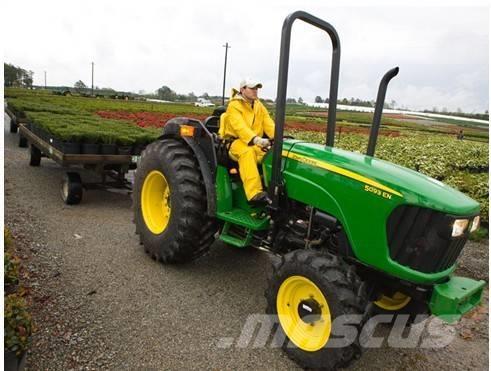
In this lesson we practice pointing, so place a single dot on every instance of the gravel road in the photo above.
(100, 303)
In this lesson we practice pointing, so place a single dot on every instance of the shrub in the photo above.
(17, 324)
(11, 269)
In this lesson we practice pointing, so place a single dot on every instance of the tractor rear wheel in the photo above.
(307, 292)
(169, 202)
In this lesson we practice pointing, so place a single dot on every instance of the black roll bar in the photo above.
(281, 93)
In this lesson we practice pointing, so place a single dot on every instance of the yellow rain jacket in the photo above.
(243, 122)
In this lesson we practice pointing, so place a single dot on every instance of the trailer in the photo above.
(111, 168)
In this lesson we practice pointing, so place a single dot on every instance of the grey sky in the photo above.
(442, 51)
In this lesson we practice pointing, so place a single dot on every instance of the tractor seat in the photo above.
(222, 146)
(212, 123)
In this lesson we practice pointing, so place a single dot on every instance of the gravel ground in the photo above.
(100, 303)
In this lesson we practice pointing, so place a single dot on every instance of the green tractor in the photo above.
(348, 233)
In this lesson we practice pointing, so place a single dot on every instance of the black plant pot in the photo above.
(44, 135)
(125, 150)
(90, 148)
(55, 142)
(71, 148)
(35, 129)
(108, 149)
(14, 363)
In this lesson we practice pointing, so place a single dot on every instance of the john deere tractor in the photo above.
(349, 233)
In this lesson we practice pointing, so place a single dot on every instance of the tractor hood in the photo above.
(382, 176)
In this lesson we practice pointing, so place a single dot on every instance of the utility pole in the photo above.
(45, 79)
(92, 78)
(226, 46)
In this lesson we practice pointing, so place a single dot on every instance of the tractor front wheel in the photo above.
(308, 291)
(169, 201)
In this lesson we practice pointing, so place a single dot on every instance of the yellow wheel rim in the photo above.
(303, 313)
(155, 202)
(397, 301)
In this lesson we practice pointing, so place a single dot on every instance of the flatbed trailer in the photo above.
(111, 168)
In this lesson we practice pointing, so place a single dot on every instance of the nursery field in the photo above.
(430, 149)
(461, 164)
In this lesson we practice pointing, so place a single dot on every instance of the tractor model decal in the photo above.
(338, 170)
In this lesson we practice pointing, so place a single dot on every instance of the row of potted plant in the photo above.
(93, 105)
(18, 325)
(74, 134)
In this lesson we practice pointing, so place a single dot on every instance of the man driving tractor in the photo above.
(247, 121)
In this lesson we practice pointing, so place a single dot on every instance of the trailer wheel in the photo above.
(22, 141)
(307, 293)
(71, 188)
(169, 202)
(35, 159)
(13, 125)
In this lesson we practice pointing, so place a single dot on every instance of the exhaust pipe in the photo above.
(379, 106)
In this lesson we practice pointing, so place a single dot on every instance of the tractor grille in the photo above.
(421, 239)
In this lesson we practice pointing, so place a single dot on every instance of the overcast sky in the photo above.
(442, 51)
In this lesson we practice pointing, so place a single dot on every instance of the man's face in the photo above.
(249, 93)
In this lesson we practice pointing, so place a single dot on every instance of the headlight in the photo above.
(459, 227)
(475, 223)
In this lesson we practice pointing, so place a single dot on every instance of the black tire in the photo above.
(22, 141)
(13, 125)
(337, 281)
(414, 311)
(71, 188)
(35, 159)
(189, 231)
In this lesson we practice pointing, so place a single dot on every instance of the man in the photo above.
(247, 121)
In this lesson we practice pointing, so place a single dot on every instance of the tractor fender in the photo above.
(203, 149)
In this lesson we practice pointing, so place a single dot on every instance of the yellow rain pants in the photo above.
(248, 158)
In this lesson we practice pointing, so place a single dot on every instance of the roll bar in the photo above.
(282, 86)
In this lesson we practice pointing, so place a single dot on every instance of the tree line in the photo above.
(14, 76)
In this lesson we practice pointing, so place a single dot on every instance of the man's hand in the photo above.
(261, 142)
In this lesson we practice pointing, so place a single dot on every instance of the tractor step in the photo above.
(234, 241)
(244, 219)
(235, 235)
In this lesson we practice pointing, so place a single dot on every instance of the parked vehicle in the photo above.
(202, 102)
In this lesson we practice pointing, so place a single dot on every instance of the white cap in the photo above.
(250, 83)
